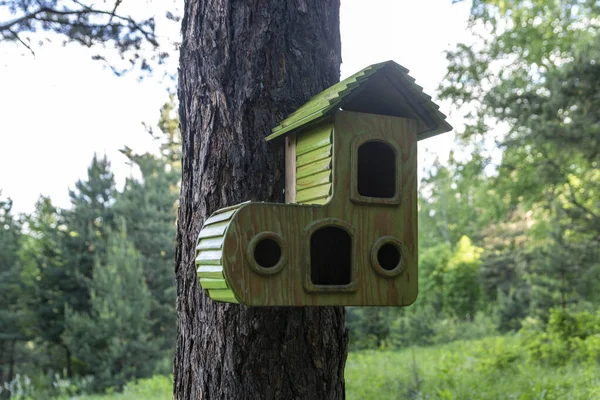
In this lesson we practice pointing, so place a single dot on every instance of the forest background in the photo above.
(509, 238)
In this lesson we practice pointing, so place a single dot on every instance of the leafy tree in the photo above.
(461, 280)
(532, 84)
(370, 327)
(432, 267)
(114, 339)
(456, 199)
(504, 268)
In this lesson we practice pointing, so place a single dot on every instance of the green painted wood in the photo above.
(213, 230)
(226, 296)
(315, 192)
(219, 216)
(313, 180)
(209, 254)
(310, 146)
(317, 137)
(332, 99)
(209, 257)
(212, 283)
(312, 118)
(210, 271)
(316, 167)
(315, 155)
(212, 243)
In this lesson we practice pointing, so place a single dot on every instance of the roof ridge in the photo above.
(328, 100)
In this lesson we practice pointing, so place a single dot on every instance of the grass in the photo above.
(494, 368)
(491, 368)
(155, 388)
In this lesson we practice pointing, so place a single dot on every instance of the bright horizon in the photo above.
(60, 107)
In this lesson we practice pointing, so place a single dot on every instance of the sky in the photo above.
(59, 107)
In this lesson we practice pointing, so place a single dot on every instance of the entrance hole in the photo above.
(331, 257)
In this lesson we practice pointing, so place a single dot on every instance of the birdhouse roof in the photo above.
(384, 88)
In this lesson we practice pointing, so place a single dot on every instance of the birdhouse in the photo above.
(347, 233)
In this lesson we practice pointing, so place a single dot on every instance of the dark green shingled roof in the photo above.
(384, 88)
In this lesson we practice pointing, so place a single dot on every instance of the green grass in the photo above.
(155, 388)
(494, 368)
(491, 368)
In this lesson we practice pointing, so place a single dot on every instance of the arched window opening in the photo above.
(331, 257)
(376, 170)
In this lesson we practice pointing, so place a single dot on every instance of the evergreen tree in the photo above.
(49, 280)
(114, 339)
(14, 315)
(88, 224)
(148, 207)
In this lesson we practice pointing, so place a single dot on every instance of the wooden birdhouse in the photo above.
(347, 234)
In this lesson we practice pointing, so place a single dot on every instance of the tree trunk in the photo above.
(1, 362)
(243, 67)
(11, 361)
(68, 361)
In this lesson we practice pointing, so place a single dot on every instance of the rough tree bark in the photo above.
(244, 65)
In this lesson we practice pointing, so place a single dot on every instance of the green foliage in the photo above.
(114, 339)
(456, 200)
(85, 304)
(15, 318)
(148, 208)
(461, 283)
(568, 337)
(491, 368)
(369, 327)
(88, 222)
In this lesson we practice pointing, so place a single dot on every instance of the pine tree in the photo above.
(148, 207)
(88, 223)
(114, 339)
(50, 282)
(14, 315)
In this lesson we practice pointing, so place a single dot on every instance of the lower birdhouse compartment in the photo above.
(308, 261)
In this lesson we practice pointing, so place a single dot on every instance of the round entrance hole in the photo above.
(389, 256)
(267, 253)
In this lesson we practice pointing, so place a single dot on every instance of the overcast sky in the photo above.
(59, 107)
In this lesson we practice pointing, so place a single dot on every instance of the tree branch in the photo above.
(27, 46)
(85, 11)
